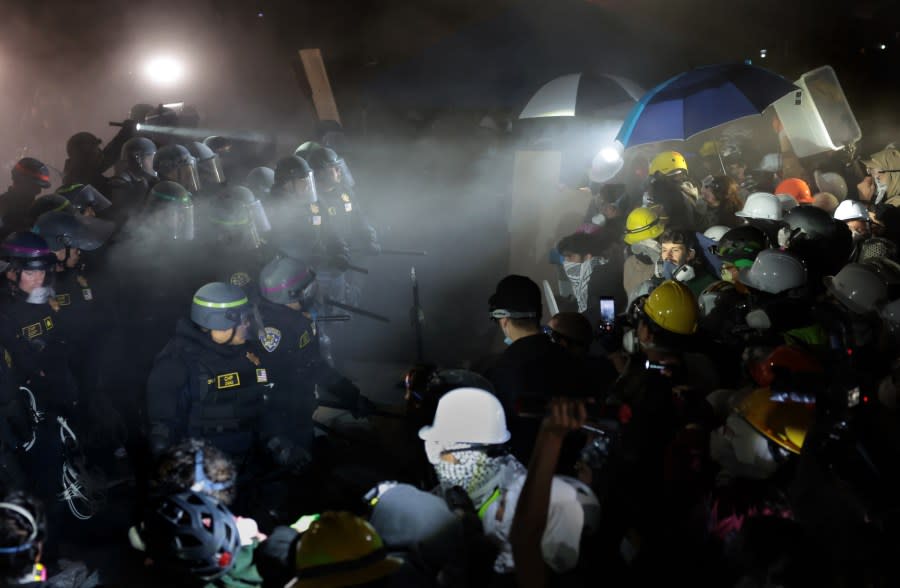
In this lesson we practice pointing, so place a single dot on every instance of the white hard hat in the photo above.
(715, 232)
(831, 182)
(771, 162)
(857, 287)
(761, 205)
(787, 202)
(468, 415)
(851, 210)
(774, 271)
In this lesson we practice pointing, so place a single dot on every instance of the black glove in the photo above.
(287, 454)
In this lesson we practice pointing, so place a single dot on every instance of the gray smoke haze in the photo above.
(434, 181)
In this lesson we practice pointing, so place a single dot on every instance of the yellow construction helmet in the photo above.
(341, 549)
(672, 306)
(667, 163)
(785, 423)
(709, 149)
(642, 223)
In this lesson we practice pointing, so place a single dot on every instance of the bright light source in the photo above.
(609, 155)
(260, 14)
(762, 53)
(882, 46)
(164, 70)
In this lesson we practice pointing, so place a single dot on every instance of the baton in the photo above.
(354, 310)
(332, 318)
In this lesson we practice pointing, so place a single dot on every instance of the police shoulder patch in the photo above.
(345, 197)
(270, 338)
(239, 279)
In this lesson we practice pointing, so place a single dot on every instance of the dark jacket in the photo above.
(200, 388)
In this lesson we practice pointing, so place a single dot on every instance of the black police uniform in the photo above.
(199, 388)
(339, 208)
(291, 342)
(127, 192)
(14, 211)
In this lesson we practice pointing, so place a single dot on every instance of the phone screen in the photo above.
(607, 309)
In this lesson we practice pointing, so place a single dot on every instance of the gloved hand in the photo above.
(286, 453)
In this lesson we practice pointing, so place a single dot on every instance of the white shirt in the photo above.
(561, 538)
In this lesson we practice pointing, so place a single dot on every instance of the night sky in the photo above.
(70, 64)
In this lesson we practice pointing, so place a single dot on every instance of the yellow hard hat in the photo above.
(668, 162)
(642, 223)
(672, 306)
(785, 423)
(709, 149)
(341, 549)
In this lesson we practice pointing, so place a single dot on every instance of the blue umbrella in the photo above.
(700, 99)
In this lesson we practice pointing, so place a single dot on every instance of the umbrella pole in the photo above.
(721, 163)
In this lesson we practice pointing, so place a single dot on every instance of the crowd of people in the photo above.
(714, 404)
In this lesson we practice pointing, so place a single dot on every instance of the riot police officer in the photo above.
(298, 217)
(260, 181)
(86, 161)
(290, 337)
(85, 199)
(238, 229)
(176, 164)
(210, 380)
(338, 203)
(134, 177)
(29, 177)
(209, 167)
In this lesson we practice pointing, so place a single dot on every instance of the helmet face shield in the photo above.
(175, 221)
(258, 217)
(186, 175)
(303, 189)
(346, 177)
(144, 163)
(210, 171)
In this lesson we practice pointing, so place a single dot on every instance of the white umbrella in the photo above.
(582, 94)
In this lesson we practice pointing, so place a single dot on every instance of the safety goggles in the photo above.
(499, 313)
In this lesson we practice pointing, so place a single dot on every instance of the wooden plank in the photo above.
(317, 76)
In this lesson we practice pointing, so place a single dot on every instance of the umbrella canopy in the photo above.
(699, 100)
(582, 95)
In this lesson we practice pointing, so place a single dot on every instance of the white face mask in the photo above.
(40, 295)
(880, 188)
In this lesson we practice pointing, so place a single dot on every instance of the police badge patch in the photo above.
(270, 338)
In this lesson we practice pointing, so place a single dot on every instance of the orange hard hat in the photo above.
(796, 189)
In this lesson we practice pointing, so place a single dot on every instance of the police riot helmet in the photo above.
(175, 163)
(260, 180)
(26, 250)
(324, 161)
(192, 533)
(219, 306)
(48, 203)
(82, 144)
(209, 166)
(219, 144)
(238, 210)
(290, 168)
(305, 149)
(285, 280)
(138, 154)
(172, 204)
(84, 197)
(29, 170)
(64, 231)
(294, 177)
